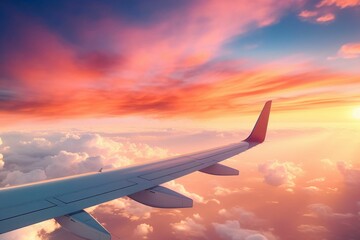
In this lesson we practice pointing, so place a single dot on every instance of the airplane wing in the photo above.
(64, 199)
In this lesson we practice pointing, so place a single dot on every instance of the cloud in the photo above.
(1, 161)
(79, 74)
(312, 229)
(311, 189)
(232, 230)
(112, 81)
(339, 3)
(308, 14)
(189, 228)
(143, 230)
(177, 187)
(276, 173)
(18, 177)
(326, 18)
(325, 11)
(349, 50)
(126, 208)
(33, 232)
(246, 218)
(323, 211)
(222, 191)
(351, 175)
(29, 157)
(34, 156)
(317, 180)
(317, 16)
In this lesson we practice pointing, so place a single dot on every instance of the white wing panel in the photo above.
(19, 210)
(94, 191)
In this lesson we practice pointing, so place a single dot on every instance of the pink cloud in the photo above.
(324, 11)
(232, 230)
(276, 173)
(55, 77)
(339, 3)
(324, 211)
(351, 175)
(326, 18)
(312, 229)
(49, 155)
(143, 230)
(191, 227)
(318, 16)
(349, 50)
(308, 14)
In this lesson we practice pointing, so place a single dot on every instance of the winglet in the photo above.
(258, 134)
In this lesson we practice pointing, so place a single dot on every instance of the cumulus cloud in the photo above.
(28, 157)
(126, 208)
(143, 230)
(33, 232)
(232, 230)
(326, 212)
(177, 187)
(191, 227)
(351, 175)
(279, 173)
(17, 177)
(245, 217)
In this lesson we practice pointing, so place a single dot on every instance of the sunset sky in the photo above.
(88, 84)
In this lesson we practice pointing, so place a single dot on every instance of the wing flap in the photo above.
(162, 197)
(84, 225)
(221, 170)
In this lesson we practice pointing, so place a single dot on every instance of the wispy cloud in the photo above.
(339, 3)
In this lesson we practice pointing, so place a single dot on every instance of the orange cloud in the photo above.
(339, 3)
(228, 91)
(326, 9)
(308, 14)
(350, 50)
(326, 18)
(157, 70)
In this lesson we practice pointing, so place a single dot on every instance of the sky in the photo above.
(91, 84)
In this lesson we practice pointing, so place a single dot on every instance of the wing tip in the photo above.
(258, 133)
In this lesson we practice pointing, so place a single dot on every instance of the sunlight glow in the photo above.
(356, 113)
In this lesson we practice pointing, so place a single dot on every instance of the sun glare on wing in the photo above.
(356, 113)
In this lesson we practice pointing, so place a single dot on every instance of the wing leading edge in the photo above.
(28, 204)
